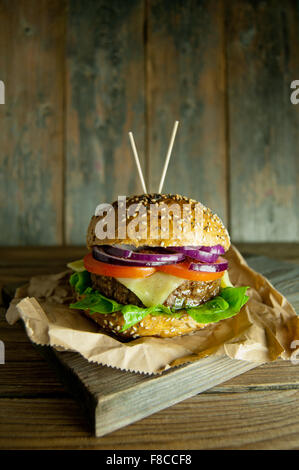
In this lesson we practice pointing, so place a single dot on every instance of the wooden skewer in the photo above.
(175, 127)
(137, 161)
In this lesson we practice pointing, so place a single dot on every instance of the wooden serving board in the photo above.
(113, 398)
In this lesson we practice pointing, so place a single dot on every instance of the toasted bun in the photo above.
(210, 231)
(162, 326)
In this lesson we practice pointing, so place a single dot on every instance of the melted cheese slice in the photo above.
(154, 289)
(225, 281)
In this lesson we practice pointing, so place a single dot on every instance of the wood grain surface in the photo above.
(105, 100)
(186, 82)
(31, 138)
(113, 399)
(251, 420)
(79, 74)
(256, 410)
(263, 59)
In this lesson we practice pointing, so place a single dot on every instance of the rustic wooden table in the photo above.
(256, 410)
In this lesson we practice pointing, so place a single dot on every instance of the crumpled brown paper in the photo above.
(261, 332)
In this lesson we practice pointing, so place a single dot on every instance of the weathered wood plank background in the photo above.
(79, 74)
(31, 122)
(263, 58)
(105, 100)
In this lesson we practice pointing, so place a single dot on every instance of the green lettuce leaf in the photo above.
(235, 296)
(80, 281)
(227, 304)
(96, 303)
(133, 314)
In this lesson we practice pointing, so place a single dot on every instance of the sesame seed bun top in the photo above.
(154, 219)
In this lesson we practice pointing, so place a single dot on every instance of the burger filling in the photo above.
(188, 294)
(160, 293)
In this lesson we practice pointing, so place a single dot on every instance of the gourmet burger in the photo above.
(165, 276)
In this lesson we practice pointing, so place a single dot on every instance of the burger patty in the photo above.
(192, 293)
(188, 294)
(113, 289)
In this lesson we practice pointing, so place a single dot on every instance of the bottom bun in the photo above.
(163, 326)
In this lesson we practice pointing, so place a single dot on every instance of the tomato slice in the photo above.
(113, 270)
(182, 270)
(179, 270)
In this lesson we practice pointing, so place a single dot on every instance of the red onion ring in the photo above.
(161, 256)
(100, 254)
(195, 253)
(220, 265)
(217, 249)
